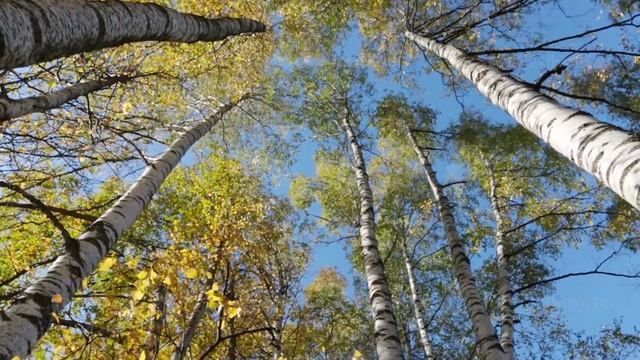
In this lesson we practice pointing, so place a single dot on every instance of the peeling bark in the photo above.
(29, 317)
(487, 340)
(609, 153)
(36, 31)
(10, 109)
(386, 333)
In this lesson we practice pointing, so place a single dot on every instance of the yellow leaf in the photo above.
(137, 295)
(15, 358)
(214, 301)
(133, 262)
(191, 273)
(233, 312)
(357, 355)
(57, 298)
(214, 296)
(167, 280)
(143, 355)
(142, 274)
(55, 318)
(106, 264)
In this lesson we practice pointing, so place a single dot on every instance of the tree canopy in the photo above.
(349, 179)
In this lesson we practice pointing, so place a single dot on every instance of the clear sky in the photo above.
(588, 303)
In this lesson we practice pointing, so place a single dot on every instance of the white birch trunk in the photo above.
(10, 109)
(42, 30)
(386, 333)
(487, 340)
(276, 340)
(417, 306)
(29, 317)
(609, 153)
(504, 285)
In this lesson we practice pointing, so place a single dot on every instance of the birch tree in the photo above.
(535, 211)
(418, 309)
(409, 231)
(28, 319)
(386, 332)
(487, 340)
(476, 308)
(333, 87)
(504, 284)
(222, 249)
(10, 108)
(33, 33)
(609, 153)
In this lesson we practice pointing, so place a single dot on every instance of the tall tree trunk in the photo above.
(504, 285)
(233, 342)
(487, 339)
(277, 339)
(611, 154)
(386, 333)
(199, 311)
(196, 318)
(29, 317)
(36, 31)
(10, 109)
(417, 305)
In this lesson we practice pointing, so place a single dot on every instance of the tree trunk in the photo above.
(36, 31)
(386, 334)
(277, 340)
(198, 312)
(196, 317)
(233, 342)
(29, 317)
(504, 285)
(417, 306)
(609, 153)
(487, 339)
(10, 109)
(152, 345)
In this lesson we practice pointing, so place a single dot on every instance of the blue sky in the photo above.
(588, 303)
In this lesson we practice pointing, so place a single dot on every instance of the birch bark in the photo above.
(10, 109)
(417, 305)
(29, 317)
(504, 285)
(36, 31)
(609, 153)
(386, 333)
(487, 339)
